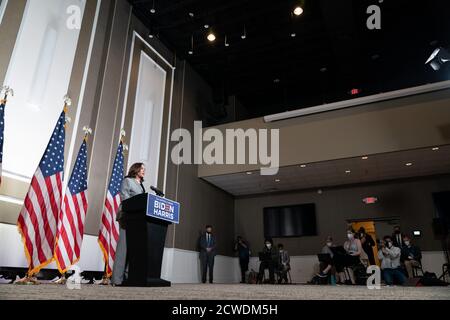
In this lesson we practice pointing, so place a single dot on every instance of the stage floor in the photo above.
(221, 292)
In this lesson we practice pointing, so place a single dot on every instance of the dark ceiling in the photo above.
(333, 50)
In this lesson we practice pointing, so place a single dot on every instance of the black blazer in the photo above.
(395, 242)
(203, 244)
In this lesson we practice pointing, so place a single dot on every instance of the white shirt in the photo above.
(392, 258)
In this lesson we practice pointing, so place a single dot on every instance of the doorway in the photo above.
(377, 228)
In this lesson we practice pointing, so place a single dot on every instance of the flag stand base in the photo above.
(27, 280)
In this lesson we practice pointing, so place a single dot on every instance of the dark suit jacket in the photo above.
(395, 242)
(203, 245)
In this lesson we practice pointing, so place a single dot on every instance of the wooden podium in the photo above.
(146, 237)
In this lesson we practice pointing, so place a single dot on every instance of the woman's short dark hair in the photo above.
(134, 170)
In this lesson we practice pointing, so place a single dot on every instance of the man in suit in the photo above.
(283, 264)
(397, 237)
(411, 256)
(207, 253)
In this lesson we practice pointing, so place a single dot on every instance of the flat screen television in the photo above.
(290, 221)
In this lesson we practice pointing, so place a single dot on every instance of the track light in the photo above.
(191, 50)
(244, 34)
(298, 11)
(211, 36)
(226, 42)
(151, 34)
(438, 58)
(153, 9)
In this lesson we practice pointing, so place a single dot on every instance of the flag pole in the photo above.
(29, 277)
(106, 280)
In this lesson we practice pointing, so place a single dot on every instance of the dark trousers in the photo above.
(267, 265)
(207, 263)
(243, 262)
(392, 276)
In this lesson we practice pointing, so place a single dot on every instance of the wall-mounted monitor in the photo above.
(290, 221)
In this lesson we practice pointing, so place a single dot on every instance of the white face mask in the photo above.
(389, 244)
(407, 243)
(330, 244)
(350, 236)
(281, 250)
(268, 245)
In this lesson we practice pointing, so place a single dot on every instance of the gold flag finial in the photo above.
(87, 132)
(6, 90)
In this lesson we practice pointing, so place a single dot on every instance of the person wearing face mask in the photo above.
(269, 260)
(389, 256)
(207, 253)
(355, 252)
(411, 256)
(283, 264)
(327, 267)
(397, 237)
(367, 244)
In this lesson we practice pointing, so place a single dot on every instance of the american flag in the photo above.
(2, 129)
(73, 213)
(109, 230)
(38, 218)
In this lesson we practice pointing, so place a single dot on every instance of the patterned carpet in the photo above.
(221, 292)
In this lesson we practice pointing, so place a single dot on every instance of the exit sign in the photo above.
(370, 200)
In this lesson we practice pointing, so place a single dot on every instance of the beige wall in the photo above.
(410, 200)
(402, 124)
(8, 33)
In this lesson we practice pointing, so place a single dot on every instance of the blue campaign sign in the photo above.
(162, 208)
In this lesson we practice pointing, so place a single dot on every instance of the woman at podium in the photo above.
(132, 185)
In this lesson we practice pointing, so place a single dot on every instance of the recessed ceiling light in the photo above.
(303, 166)
(324, 69)
(408, 164)
(276, 80)
(435, 149)
(191, 14)
(211, 37)
(365, 158)
(298, 11)
(293, 34)
(191, 52)
(347, 171)
(249, 173)
(206, 26)
(277, 180)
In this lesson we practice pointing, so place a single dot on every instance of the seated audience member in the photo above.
(283, 264)
(327, 267)
(367, 244)
(389, 256)
(411, 256)
(269, 260)
(355, 253)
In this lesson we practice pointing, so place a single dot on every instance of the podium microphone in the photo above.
(157, 191)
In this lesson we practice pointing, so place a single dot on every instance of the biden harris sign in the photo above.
(163, 209)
